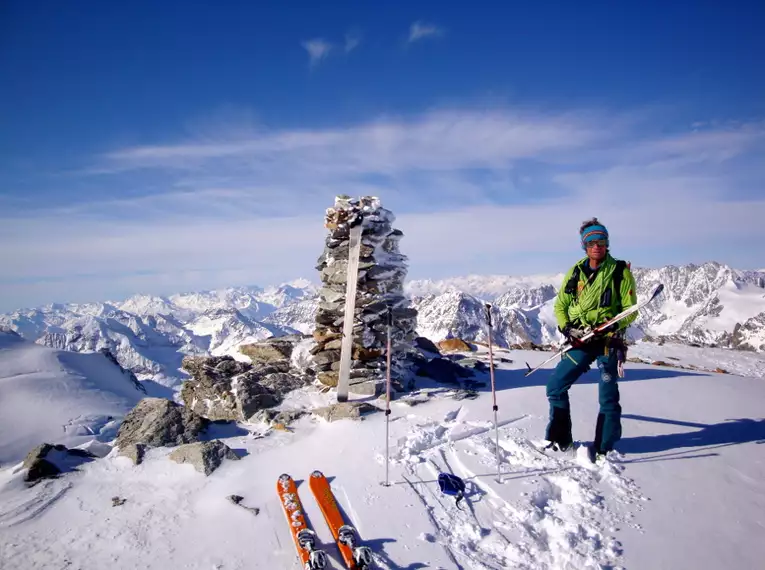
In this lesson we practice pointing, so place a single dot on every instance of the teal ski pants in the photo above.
(574, 363)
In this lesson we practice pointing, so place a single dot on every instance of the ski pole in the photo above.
(493, 393)
(387, 396)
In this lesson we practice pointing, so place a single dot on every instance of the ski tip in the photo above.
(316, 474)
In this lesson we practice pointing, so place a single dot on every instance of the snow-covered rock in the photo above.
(750, 335)
(382, 269)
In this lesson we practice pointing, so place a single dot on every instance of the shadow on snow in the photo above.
(708, 436)
(514, 378)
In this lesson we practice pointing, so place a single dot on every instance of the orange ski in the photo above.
(356, 557)
(304, 537)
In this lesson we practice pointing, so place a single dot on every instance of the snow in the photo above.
(739, 304)
(55, 396)
(737, 362)
(690, 465)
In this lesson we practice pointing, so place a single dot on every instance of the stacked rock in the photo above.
(381, 275)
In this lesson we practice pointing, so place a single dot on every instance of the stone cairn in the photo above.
(382, 271)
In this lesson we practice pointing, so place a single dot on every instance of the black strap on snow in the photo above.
(572, 285)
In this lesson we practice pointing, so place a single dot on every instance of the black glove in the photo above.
(573, 334)
(612, 328)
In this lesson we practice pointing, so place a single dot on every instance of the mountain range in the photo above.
(708, 305)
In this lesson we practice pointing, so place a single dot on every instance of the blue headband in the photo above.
(591, 233)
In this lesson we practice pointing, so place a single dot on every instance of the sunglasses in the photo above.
(598, 242)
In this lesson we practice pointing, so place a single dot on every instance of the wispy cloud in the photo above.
(441, 140)
(318, 49)
(504, 187)
(466, 157)
(421, 30)
(352, 41)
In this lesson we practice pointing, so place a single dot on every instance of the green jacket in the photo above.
(586, 309)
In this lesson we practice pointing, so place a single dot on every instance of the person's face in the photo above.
(596, 249)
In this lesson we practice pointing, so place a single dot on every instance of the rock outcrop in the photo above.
(345, 411)
(204, 456)
(453, 345)
(382, 270)
(157, 422)
(270, 350)
(222, 388)
(48, 461)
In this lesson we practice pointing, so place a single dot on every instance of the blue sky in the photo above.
(158, 147)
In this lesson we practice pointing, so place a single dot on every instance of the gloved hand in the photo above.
(573, 334)
(612, 328)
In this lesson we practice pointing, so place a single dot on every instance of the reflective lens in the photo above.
(598, 242)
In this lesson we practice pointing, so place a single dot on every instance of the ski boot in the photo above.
(595, 456)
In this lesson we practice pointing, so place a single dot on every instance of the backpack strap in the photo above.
(572, 285)
(621, 265)
(616, 286)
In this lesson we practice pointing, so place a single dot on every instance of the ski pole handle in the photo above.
(488, 313)
(390, 316)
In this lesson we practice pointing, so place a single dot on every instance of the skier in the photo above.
(595, 289)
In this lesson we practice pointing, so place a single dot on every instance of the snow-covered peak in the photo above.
(238, 297)
(449, 314)
(526, 298)
(285, 294)
(149, 335)
(228, 329)
(302, 283)
(148, 305)
(482, 286)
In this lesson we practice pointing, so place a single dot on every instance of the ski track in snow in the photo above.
(566, 521)
(22, 509)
